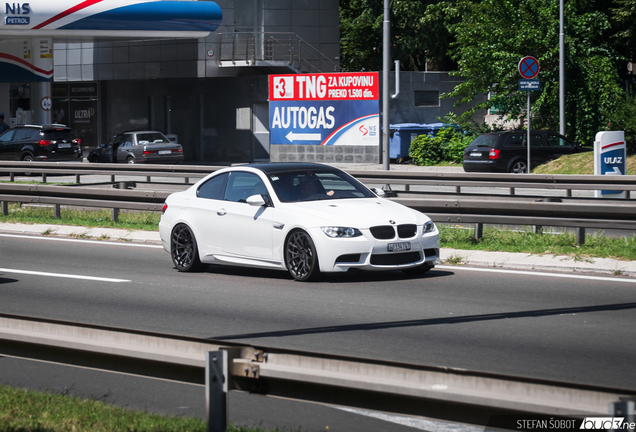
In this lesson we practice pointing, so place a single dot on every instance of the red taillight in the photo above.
(493, 154)
(164, 208)
(77, 141)
(149, 152)
(44, 143)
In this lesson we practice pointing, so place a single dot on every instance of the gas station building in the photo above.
(195, 70)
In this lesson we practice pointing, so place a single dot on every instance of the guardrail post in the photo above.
(43, 177)
(568, 193)
(57, 211)
(512, 191)
(77, 178)
(623, 408)
(538, 229)
(5, 208)
(479, 231)
(112, 179)
(114, 213)
(11, 176)
(580, 236)
(458, 189)
(216, 390)
(148, 179)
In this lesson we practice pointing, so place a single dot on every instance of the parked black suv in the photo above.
(507, 152)
(53, 142)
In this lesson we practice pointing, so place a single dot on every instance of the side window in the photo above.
(558, 141)
(515, 140)
(242, 185)
(21, 134)
(213, 188)
(7, 136)
(32, 132)
(536, 140)
(129, 140)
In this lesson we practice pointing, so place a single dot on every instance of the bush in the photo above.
(448, 145)
(625, 119)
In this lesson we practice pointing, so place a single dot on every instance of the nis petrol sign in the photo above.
(17, 14)
(324, 109)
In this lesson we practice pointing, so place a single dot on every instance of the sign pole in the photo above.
(386, 59)
(528, 143)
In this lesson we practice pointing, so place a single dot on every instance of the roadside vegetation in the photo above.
(29, 411)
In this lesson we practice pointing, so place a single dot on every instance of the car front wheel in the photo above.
(184, 250)
(519, 167)
(301, 257)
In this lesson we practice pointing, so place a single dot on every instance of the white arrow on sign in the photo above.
(302, 136)
(616, 171)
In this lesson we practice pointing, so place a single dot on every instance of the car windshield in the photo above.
(58, 134)
(152, 138)
(316, 185)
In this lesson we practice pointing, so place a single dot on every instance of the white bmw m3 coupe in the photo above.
(300, 217)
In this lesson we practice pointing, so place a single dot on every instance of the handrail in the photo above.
(439, 392)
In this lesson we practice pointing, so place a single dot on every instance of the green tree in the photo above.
(491, 36)
(416, 36)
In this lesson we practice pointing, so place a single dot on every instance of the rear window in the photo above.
(58, 134)
(485, 140)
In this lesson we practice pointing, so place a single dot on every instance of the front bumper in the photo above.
(368, 253)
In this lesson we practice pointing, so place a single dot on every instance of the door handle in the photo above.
(221, 212)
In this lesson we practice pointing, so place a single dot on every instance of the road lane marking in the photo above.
(63, 275)
(414, 422)
(536, 273)
(108, 242)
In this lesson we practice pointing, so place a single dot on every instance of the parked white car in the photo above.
(303, 218)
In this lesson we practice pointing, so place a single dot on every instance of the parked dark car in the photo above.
(506, 152)
(52, 142)
(138, 147)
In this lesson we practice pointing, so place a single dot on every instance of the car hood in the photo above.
(357, 212)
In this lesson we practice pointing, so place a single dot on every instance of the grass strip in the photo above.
(503, 240)
(30, 411)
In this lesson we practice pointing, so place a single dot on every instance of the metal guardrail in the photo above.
(438, 392)
(454, 209)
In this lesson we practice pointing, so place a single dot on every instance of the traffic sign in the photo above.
(529, 84)
(529, 67)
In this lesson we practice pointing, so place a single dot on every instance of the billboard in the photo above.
(324, 109)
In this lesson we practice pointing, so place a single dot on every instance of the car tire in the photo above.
(301, 257)
(28, 158)
(130, 160)
(519, 167)
(184, 250)
(420, 269)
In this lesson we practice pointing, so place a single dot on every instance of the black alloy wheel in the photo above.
(301, 257)
(184, 250)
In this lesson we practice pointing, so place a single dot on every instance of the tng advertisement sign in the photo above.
(324, 109)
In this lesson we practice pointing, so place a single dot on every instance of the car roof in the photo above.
(280, 167)
(44, 126)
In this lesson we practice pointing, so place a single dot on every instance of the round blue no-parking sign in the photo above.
(529, 67)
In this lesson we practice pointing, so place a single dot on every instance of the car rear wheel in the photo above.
(28, 158)
(130, 160)
(184, 250)
(519, 167)
(301, 257)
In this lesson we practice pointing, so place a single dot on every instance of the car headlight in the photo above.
(341, 232)
(429, 227)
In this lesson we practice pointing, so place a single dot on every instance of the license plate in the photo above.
(397, 247)
(64, 145)
(475, 154)
(164, 152)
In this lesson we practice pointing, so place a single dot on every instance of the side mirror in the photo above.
(256, 201)
(378, 192)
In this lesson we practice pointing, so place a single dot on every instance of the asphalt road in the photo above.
(577, 330)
